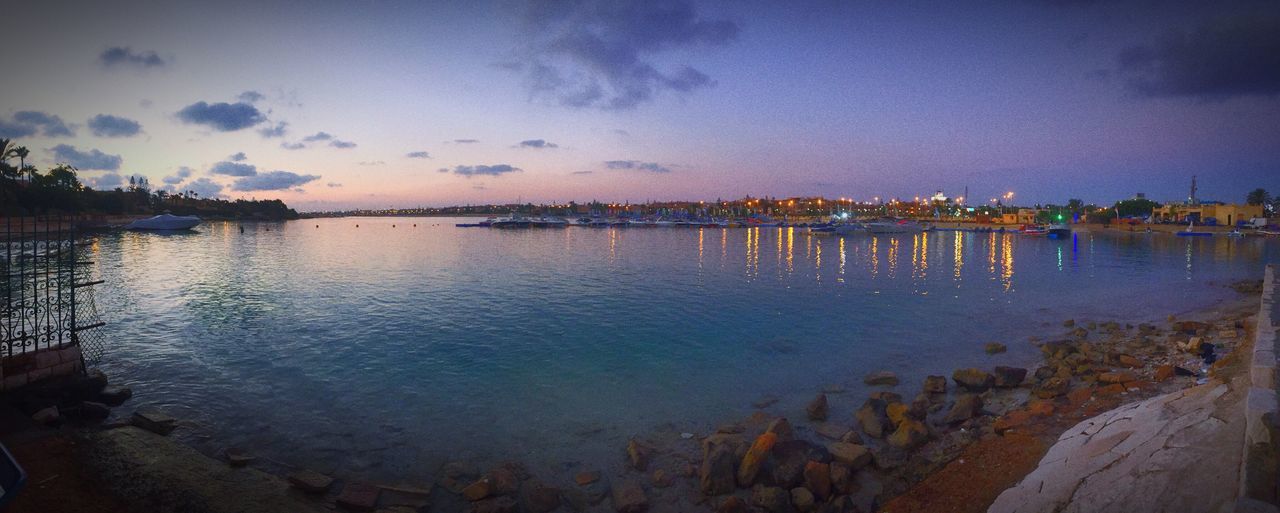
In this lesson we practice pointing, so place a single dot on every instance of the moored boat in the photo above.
(885, 226)
(163, 222)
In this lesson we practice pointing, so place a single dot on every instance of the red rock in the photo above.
(638, 455)
(629, 497)
(1164, 372)
(1131, 362)
(732, 505)
(359, 497)
(909, 435)
(586, 478)
(1012, 420)
(480, 489)
(1110, 390)
(1079, 396)
(817, 478)
(754, 458)
(1040, 408)
(1117, 377)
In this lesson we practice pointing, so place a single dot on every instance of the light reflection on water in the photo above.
(379, 351)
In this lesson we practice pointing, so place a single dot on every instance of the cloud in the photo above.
(105, 182)
(418, 155)
(536, 143)
(1226, 57)
(93, 159)
(177, 178)
(636, 165)
(15, 130)
(481, 170)
(204, 187)
(49, 124)
(274, 131)
(272, 181)
(238, 157)
(319, 136)
(582, 172)
(333, 184)
(292, 146)
(342, 144)
(466, 141)
(605, 55)
(122, 56)
(371, 163)
(106, 125)
(250, 97)
(233, 169)
(224, 117)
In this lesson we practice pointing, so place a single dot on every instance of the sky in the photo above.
(331, 104)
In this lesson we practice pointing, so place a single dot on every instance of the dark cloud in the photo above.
(272, 181)
(418, 155)
(336, 143)
(106, 125)
(481, 170)
(205, 187)
(319, 136)
(121, 56)
(49, 124)
(1226, 57)
(250, 97)
(224, 117)
(274, 131)
(333, 184)
(536, 143)
(177, 178)
(372, 163)
(637, 166)
(604, 54)
(238, 157)
(233, 169)
(466, 141)
(582, 172)
(15, 130)
(292, 146)
(93, 159)
(105, 182)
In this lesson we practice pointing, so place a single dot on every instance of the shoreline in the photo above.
(671, 469)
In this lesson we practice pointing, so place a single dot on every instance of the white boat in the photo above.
(894, 226)
(164, 222)
(848, 229)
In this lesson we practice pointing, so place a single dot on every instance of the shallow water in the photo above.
(380, 352)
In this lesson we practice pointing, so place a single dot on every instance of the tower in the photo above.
(1192, 199)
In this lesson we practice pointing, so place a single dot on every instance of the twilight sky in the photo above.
(332, 104)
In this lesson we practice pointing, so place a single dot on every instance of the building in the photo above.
(1022, 216)
(1206, 213)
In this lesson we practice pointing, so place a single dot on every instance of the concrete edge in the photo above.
(1258, 468)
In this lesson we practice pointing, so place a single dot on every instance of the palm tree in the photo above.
(21, 152)
(1258, 197)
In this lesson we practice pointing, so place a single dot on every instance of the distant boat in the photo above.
(1059, 231)
(1034, 230)
(894, 226)
(164, 221)
(1190, 231)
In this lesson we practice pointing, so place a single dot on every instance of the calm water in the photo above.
(378, 352)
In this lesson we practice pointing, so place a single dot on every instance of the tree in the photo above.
(1258, 197)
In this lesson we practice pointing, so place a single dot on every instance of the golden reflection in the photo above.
(700, 230)
(924, 253)
(778, 260)
(791, 248)
(840, 270)
(817, 260)
(875, 256)
(893, 256)
(991, 254)
(1006, 274)
(613, 245)
(959, 253)
(753, 252)
(724, 246)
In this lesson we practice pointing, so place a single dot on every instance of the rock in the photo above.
(1189, 327)
(802, 499)
(818, 408)
(789, 459)
(94, 411)
(1068, 323)
(115, 395)
(730, 429)
(536, 497)
(881, 378)
(771, 499)
(974, 380)
(47, 416)
(830, 430)
(852, 455)
(629, 497)
(781, 428)
(732, 505)
(495, 505)
(586, 478)
(966, 407)
(995, 348)
(1040, 408)
(1179, 371)
(1052, 387)
(238, 458)
(896, 412)
(480, 489)
(638, 455)
(1117, 377)
(1043, 373)
(1008, 377)
(872, 418)
(1110, 390)
(359, 496)
(852, 437)
(841, 479)
(1012, 420)
(154, 422)
(88, 386)
(817, 478)
(754, 458)
(716, 476)
(310, 481)
(1164, 372)
(919, 407)
(661, 479)
(1131, 362)
(505, 479)
(935, 384)
(909, 435)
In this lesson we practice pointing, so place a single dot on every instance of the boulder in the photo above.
(479, 489)
(909, 435)
(966, 407)
(1117, 377)
(817, 478)
(754, 458)
(358, 496)
(638, 455)
(830, 430)
(629, 497)
(716, 477)
(1189, 327)
(896, 412)
(47, 416)
(238, 458)
(586, 477)
(973, 380)
(154, 422)
(994, 348)
(842, 480)
(1008, 377)
(537, 497)
(1131, 361)
(505, 479)
(818, 408)
(781, 428)
(115, 395)
(495, 505)
(786, 467)
(919, 407)
(733, 505)
(872, 417)
(1069, 323)
(310, 482)
(802, 499)
(881, 378)
(1164, 372)
(935, 385)
(852, 455)
(771, 499)
(1053, 387)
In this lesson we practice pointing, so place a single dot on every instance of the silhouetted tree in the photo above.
(1258, 197)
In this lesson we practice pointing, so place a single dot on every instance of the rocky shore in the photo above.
(949, 443)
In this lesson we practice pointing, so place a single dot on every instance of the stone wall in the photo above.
(20, 370)
(1258, 472)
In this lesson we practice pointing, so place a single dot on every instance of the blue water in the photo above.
(380, 352)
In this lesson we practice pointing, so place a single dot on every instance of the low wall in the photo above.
(20, 370)
(1258, 471)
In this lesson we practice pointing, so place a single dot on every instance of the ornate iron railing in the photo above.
(38, 285)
